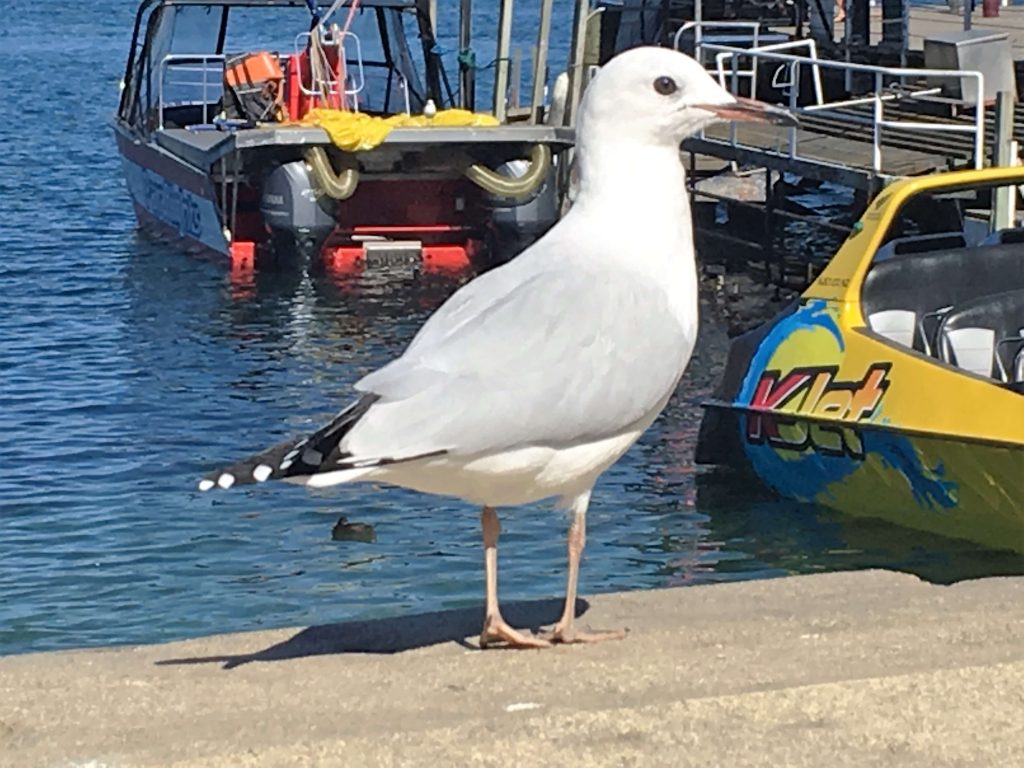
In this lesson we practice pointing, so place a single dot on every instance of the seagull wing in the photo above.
(568, 355)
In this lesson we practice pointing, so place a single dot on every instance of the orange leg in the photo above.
(565, 630)
(495, 627)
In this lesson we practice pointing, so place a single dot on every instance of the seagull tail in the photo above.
(298, 459)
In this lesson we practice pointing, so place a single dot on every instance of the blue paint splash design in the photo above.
(813, 314)
(926, 484)
(808, 476)
(804, 477)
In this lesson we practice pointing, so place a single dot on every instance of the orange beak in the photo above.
(752, 111)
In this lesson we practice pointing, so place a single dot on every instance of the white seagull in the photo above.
(534, 378)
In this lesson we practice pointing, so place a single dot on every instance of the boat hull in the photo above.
(940, 484)
(171, 197)
(837, 416)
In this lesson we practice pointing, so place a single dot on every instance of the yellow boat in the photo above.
(894, 387)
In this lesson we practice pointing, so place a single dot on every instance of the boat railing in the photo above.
(890, 84)
(325, 85)
(741, 34)
(203, 75)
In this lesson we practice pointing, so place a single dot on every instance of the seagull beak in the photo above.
(751, 111)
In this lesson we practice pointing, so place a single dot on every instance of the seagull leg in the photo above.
(495, 627)
(565, 630)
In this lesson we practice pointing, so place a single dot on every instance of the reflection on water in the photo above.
(801, 538)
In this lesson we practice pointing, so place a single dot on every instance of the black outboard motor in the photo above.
(299, 218)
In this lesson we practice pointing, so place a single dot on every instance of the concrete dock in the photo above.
(853, 669)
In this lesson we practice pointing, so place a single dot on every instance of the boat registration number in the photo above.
(390, 255)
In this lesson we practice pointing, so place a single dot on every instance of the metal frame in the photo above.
(332, 85)
(699, 27)
(187, 58)
(878, 98)
(434, 73)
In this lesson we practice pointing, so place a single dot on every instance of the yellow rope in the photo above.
(355, 131)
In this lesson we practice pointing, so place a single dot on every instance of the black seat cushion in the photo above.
(984, 335)
(900, 292)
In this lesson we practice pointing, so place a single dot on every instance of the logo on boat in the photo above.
(815, 392)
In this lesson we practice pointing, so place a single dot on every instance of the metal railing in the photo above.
(319, 87)
(884, 93)
(207, 86)
(722, 32)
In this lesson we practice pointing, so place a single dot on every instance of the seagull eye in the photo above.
(665, 85)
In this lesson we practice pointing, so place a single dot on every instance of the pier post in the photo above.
(516, 80)
(1003, 204)
(467, 72)
(540, 63)
(432, 15)
(768, 238)
(501, 62)
(896, 26)
(577, 56)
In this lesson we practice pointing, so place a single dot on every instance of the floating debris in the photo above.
(343, 530)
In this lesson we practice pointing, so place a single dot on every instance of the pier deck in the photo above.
(837, 144)
(824, 154)
(846, 670)
(838, 147)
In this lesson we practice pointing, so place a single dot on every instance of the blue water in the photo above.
(128, 368)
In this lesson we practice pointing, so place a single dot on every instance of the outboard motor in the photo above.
(517, 226)
(300, 220)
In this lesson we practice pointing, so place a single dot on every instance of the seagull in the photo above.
(534, 378)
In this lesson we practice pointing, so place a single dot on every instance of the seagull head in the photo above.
(657, 96)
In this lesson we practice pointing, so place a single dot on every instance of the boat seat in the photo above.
(185, 115)
(904, 298)
(986, 336)
(901, 246)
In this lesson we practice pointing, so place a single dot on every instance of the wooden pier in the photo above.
(839, 144)
(866, 119)
(839, 147)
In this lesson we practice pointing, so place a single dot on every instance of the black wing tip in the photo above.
(297, 457)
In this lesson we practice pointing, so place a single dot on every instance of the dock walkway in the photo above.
(838, 144)
(850, 669)
(838, 147)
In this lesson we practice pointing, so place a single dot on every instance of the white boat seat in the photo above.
(985, 336)
(972, 349)
(914, 291)
(895, 324)
(904, 327)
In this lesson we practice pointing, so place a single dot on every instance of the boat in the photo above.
(303, 131)
(893, 388)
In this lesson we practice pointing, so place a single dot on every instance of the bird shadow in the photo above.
(392, 635)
